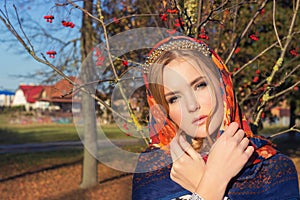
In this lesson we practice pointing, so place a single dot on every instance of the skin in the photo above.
(189, 96)
(188, 93)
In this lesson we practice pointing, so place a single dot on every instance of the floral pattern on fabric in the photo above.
(269, 175)
(162, 130)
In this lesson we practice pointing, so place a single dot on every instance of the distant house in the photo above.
(6, 97)
(60, 95)
(281, 114)
(28, 96)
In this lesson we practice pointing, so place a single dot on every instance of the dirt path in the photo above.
(62, 183)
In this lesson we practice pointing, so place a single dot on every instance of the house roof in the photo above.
(61, 91)
(31, 92)
(6, 92)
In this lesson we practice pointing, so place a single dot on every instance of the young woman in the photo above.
(191, 100)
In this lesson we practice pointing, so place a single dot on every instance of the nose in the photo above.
(192, 103)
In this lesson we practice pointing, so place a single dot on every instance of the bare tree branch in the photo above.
(284, 91)
(238, 39)
(260, 54)
(274, 24)
(21, 27)
(283, 132)
(46, 62)
(266, 96)
(132, 115)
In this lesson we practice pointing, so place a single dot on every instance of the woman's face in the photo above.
(189, 97)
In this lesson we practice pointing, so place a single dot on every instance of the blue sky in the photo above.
(12, 65)
(15, 60)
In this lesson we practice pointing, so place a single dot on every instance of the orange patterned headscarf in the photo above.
(162, 130)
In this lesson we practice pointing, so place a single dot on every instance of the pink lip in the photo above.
(200, 120)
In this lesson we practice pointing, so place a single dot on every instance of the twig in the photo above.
(131, 16)
(237, 42)
(278, 64)
(288, 75)
(208, 18)
(21, 27)
(274, 24)
(284, 91)
(283, 132)
(133, 117)
(255, 58)
(46, 62)
(260, 54)
(199, 17)
(241, 102)
(98, 81)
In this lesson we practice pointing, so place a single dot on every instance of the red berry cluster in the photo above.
(99, 57)
(236, 69)
(257, 77)
(178, 22)
(51, 53)
(203, 35)
(254, 37)
(49, 18)
(125, 63)
(237, 50)
(68, 24)
(126, 128)
(172, 11)
(163, 17)
(262, 11)
(294, 52)
(116, 20)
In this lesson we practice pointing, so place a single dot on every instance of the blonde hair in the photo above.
(155, 78)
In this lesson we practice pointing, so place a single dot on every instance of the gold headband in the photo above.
(182, 44)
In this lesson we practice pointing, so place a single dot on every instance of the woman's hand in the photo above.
(229, 154)
(188, 166)
(227, 157)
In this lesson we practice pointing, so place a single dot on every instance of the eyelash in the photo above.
(201, 85)
(172, 100)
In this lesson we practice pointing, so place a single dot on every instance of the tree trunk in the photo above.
(89, 171)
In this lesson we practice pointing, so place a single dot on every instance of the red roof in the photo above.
(60, 91)
(31, 92)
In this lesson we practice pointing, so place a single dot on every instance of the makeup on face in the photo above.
(188, 95)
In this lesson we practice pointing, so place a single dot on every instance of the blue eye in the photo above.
(200, 85)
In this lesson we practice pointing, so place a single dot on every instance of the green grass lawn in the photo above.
(18, 164)
(37, 133)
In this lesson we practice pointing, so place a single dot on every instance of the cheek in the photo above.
(175, 113)
(205, 100)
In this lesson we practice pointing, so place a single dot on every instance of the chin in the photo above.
(198, 133)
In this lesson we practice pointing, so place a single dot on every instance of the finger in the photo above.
(188, 148)
(239, 135)
(249, 151)
(173, 175)
(244, 143)
(175, 149)
(231, 129)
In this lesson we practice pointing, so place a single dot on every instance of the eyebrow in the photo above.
(191, 84)
(196, 80)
